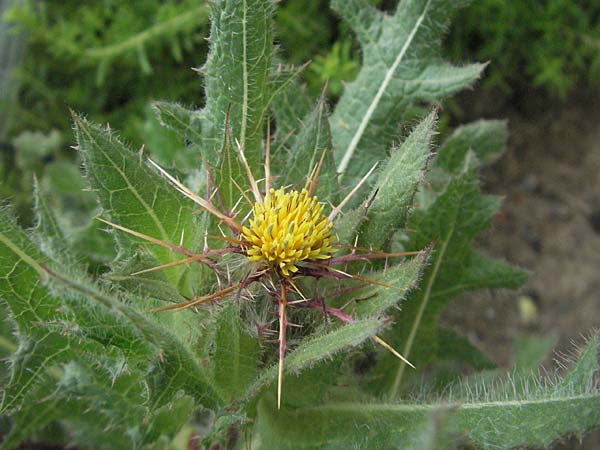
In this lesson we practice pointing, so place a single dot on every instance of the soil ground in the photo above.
(549, 225)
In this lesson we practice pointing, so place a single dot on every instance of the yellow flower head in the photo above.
(288, 227)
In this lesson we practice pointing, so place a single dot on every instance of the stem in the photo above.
(417, 322)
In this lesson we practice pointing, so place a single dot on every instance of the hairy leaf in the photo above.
(185, 122)
(48, 232)
(236, 352)
(396, 185)
(450, 219)
(230, 174)
(319, 347)
(397, 282)
(311, 144)
(135, 196)
(179, 367)
(290, 103)
(237, 75)
(493, 417)
(486, 138)
(401, 65)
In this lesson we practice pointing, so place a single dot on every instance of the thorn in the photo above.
(225, 239)
(358, 277)
(371, 199)
(148, 238)
(296, 289)
(253, 185)
(243, 194)
(171, 264)
(312, 181)
(389, 348)
(208, 206)
(324, 91)
(338, 208)
(184, 305)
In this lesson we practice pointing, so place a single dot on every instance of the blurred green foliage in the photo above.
(88, 55)
(108, 58)
(549, 44)
(338, 65)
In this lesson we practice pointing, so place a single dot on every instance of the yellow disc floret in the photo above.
(288, 227)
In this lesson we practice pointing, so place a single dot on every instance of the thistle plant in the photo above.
(287, 237)
(275, 291)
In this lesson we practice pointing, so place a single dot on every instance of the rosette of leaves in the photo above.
(89, 366)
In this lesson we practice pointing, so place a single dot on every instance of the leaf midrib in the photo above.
(23, 256)
(133, 190)
(353, 407)
(244, 79)
(389, 75)
(422, 307)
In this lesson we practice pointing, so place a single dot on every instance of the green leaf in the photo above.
(110, 321)
(493, 417)
(451, 219)
(135, 196)
(48, 232)
(586, 367)
(33, 415)
(403, 278)
(480, 272)
(236, 353)
(63, 192)
(396, 185)
(453, 347)
(313, 140)
(31, 364)
(486, 138)
(347, 225)
(152, 284)
(290, 101)
(89, 400)
(8, 343)
(169, 419)
(530, 351)
(229, 172)
(167, 147)
(179, 368)
(33, 308)
(401, 65)
(318, 347)
(237, 75)
(186, 123)
(20, 283)
(343, 425)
